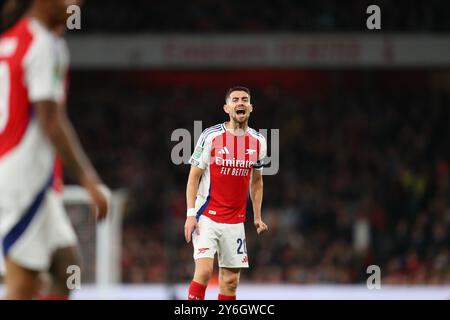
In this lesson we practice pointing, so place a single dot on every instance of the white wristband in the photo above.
(191, 212)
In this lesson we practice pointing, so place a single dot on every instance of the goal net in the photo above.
(99, 243)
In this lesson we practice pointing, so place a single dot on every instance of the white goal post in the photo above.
(101, 263)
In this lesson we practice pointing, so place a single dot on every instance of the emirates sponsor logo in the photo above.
(234, 163)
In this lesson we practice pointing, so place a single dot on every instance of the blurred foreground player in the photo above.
(36, 233)
(228, 158)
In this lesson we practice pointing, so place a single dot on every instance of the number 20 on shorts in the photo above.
(242, 246)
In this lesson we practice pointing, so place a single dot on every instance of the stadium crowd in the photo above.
(355, 148)
(261, 16)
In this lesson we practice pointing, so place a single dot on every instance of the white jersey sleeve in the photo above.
(259, 165)
(45, 67)
(202, 152)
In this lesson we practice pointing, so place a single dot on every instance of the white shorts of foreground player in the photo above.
(268, 292)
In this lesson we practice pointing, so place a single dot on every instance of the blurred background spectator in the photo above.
(209, 16)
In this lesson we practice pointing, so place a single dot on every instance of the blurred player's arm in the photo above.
(191, 193)
(256, 195)
(54, 121)
(45, 90)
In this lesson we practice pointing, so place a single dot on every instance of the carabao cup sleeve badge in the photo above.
(197, 153)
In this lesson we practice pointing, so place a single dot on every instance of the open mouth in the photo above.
(240, 112)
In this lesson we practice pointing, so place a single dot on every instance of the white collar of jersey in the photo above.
(232, 132)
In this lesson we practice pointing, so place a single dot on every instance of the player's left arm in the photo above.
(256, 195)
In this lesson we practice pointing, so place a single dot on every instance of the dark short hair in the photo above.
(236, 88)
(12, 11)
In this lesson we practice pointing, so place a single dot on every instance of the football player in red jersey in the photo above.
(35, 131)
(226, 163)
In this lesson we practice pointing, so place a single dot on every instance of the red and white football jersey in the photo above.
(228, 161)
(33, 67)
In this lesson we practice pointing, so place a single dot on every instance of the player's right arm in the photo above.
(199, 161)
(191, 224)
(53, 120)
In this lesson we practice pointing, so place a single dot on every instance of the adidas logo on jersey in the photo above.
(224, 150)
